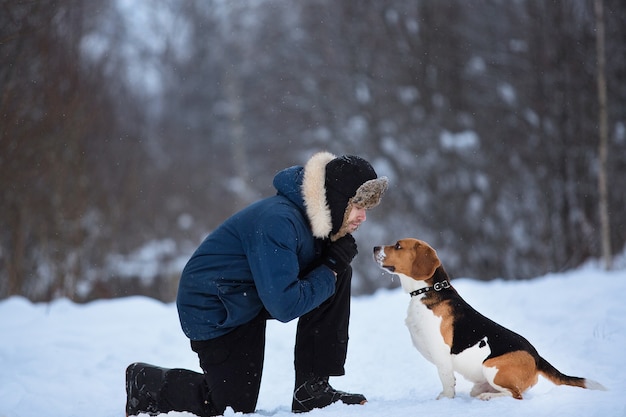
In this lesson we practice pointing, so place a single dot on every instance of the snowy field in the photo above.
(62, 359)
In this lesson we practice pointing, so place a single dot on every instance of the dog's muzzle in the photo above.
(379, 257)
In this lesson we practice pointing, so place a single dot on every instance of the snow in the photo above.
(63, 359)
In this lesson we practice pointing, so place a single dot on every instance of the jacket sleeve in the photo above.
(272, 251)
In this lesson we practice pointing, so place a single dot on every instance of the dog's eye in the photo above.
(397, 247)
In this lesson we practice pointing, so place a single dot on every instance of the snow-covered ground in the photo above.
(62, 359)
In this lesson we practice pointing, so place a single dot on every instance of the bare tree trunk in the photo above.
(603, 130)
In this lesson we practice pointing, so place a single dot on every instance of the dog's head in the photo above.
(409, 257)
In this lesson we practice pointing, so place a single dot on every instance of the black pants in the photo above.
(233, 363)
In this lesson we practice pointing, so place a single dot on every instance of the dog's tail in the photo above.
(554, 375)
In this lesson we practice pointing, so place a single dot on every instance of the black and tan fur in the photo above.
(456, 338)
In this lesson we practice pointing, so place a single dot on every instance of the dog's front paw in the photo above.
(446, 394)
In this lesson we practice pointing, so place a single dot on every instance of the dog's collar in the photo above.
(437, 287)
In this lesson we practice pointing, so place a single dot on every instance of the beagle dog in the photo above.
(448, 332)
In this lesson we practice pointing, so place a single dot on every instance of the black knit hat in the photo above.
(344, 176)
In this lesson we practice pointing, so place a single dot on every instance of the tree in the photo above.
(603, 204)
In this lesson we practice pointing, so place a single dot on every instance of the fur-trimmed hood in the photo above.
(314, 193)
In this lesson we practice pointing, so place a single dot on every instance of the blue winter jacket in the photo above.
(253, 261)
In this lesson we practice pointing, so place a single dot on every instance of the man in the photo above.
(283, 257)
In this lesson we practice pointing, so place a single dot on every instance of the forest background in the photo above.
(130, 129)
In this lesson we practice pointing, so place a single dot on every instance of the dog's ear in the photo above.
(426, 261)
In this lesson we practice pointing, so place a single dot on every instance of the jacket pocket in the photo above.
(241, 302)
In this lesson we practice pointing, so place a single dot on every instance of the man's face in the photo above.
(355, 218)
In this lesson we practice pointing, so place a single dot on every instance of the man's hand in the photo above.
(341, 253)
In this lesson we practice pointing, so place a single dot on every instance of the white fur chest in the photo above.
(424, 326)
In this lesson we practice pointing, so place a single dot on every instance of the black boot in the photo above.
(317, 393)
(143, 383)
(154, 390)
